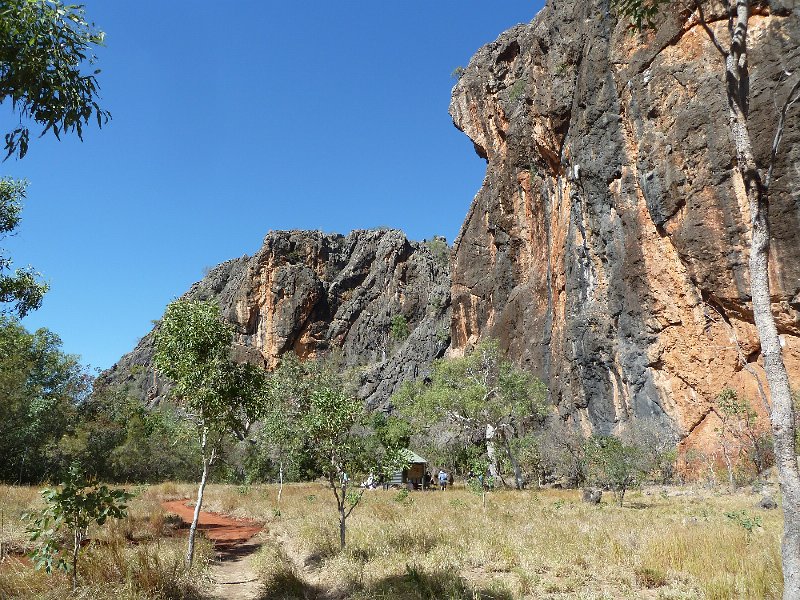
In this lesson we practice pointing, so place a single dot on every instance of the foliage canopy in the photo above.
(480, 396)
(21, 288)
(45, 49)
(41, 389)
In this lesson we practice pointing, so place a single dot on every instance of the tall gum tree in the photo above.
(219, 396)
(755, 179)
(482, 392)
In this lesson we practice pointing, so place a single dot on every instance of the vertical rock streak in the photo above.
(321, 295)
(610, 231)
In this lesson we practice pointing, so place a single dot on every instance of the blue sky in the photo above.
(232, 119)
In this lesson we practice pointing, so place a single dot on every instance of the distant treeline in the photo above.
(475, 415)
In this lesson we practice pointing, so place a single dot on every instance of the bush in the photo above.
(615, 464)
(440, 250)
(562, 450)
(399, 328)
(458, 72)
(71, 509)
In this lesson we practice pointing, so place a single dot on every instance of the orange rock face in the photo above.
(608, 246)
(318, 294)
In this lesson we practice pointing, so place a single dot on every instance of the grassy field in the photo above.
(675, 543)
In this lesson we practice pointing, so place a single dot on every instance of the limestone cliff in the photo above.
(325, 294)
(607, 248)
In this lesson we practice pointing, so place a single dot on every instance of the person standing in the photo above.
(442, 480)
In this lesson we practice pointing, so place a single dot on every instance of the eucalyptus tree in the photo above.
(219, 396)
(21, 290)
(41, 388)
(311, 416)
(756, 178)
(47, 69)
(479, 392)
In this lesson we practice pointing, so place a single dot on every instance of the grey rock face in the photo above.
(317, 295)
(607, 249)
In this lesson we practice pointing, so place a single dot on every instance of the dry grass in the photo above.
(544, 544)
(525, 545)
(126, 559)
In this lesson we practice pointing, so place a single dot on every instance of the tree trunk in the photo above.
(729, 467)
(490, 451)
(782, 414)
(514, 464)
(76, 546)
(196, 517)
(342, 526)
(280, 484)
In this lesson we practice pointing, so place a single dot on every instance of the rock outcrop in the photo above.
(319, 294)
(608, 246)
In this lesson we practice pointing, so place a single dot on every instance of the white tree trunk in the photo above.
(782, 414)
(196, 517)
(491, 453)
(514, 463)
(280, 484)
(207, 462)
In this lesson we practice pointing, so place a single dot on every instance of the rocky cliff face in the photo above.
(319, 294)
(608, 246)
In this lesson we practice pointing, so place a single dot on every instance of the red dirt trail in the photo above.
(226, 533)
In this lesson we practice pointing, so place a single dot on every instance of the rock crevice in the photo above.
(324, 295)
(611, 185)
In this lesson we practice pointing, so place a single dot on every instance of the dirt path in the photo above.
(235, 543)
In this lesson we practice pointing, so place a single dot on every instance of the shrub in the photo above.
(399, 328)
(458, 72)
(517, 90)
(440, 250)
(649, 577)
(615, 464)
(77, 505)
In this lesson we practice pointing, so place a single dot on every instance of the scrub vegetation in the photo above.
(666, 542)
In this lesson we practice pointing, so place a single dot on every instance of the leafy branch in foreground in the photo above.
(44, 47)
(23, 287)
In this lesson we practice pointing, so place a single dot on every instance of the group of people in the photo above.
(442, 478)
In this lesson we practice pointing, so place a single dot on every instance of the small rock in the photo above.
(592, 495)
(767, 502)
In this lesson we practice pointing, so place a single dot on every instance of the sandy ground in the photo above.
(235, 542)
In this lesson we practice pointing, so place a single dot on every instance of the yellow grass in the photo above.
(524, 545)
(528, 544)
(127, 559)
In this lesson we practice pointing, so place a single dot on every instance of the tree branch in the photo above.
(332, 482)
(791, 98)
(358, 499)
(708, 30)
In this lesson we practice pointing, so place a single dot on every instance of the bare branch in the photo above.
(791, 98)
(702, 21)
(743, 359)
(352, 506)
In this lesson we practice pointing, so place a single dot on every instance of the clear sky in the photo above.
(231, 119)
